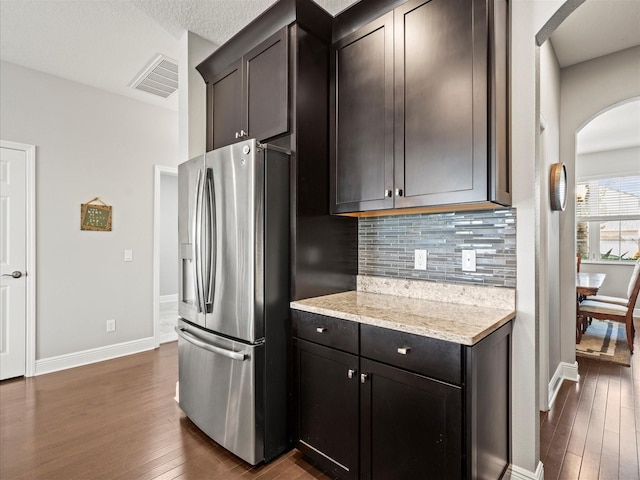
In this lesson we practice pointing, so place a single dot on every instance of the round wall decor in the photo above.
(558, 186)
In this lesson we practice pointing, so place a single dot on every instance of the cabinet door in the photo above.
(266, 88)
(410, 425)
(224, 115)
(326, 407)
(440, 103)
(362, 111)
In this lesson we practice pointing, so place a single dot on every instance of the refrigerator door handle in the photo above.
(197, 242)
(210, 213)
(211, 348)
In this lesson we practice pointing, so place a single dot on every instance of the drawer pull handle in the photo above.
(404, 350)
(321, 329)
(351, 373)
(363, 377)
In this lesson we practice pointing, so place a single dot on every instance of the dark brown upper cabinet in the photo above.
(250, 98)
(362, 136)
(266, 88)
(224, 96)
(419, 104)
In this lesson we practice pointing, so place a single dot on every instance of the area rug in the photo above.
(606, 341)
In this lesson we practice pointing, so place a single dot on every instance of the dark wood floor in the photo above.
(116, 420)
(593, 429)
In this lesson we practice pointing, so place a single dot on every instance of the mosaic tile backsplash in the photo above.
(386, 246)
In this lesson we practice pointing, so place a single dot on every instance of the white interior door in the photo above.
(13, 213)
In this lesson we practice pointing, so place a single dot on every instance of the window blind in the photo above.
(608, 199)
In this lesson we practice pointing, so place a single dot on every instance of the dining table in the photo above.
(587, 284)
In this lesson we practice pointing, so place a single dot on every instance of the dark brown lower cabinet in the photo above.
(410, 425)
(378, 404)
(328, 395)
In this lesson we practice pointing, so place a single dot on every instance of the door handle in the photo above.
(197, 233)
(14, 274)
(210, 245)
(211, 348)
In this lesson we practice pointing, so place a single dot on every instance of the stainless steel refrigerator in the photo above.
(234, 297)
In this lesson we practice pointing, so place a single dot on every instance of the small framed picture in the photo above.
(95, 217)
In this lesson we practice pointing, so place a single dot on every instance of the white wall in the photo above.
(623, 160)
(617, 280)
(89, 143)
(549, 269)
(192, 93)
(587, 89)
(527, 18)
(168, 235)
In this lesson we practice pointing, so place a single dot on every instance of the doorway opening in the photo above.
(165, 254)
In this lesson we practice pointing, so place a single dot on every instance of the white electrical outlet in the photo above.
(111, 326)
(420, 261)
(468, 260)
(128, 255)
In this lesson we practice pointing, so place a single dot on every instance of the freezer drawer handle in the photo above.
(211, 348)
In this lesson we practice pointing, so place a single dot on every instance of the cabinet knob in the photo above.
(363, 377)
(387, 193)
(398, 192)
(351, 373)
(404, 350)
(321, 329)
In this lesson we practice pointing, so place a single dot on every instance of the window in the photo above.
(608, 218)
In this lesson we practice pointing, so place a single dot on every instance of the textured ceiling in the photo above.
(217, 20)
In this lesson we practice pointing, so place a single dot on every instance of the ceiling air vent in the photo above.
(159, 77)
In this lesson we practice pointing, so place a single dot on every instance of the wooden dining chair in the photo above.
(615, 312)
(578, 259)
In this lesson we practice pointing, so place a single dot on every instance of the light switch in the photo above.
(468, 260)
(128, 255)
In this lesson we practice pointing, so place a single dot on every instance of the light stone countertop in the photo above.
(446, 320)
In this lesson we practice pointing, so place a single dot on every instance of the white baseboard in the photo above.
(169, 298)
(565, 371)
(168, 337)
(518, 473)
(554, 385)
(85, 357)
(570, 371)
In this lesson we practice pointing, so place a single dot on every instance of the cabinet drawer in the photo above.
(329, 331)
(427, 356)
